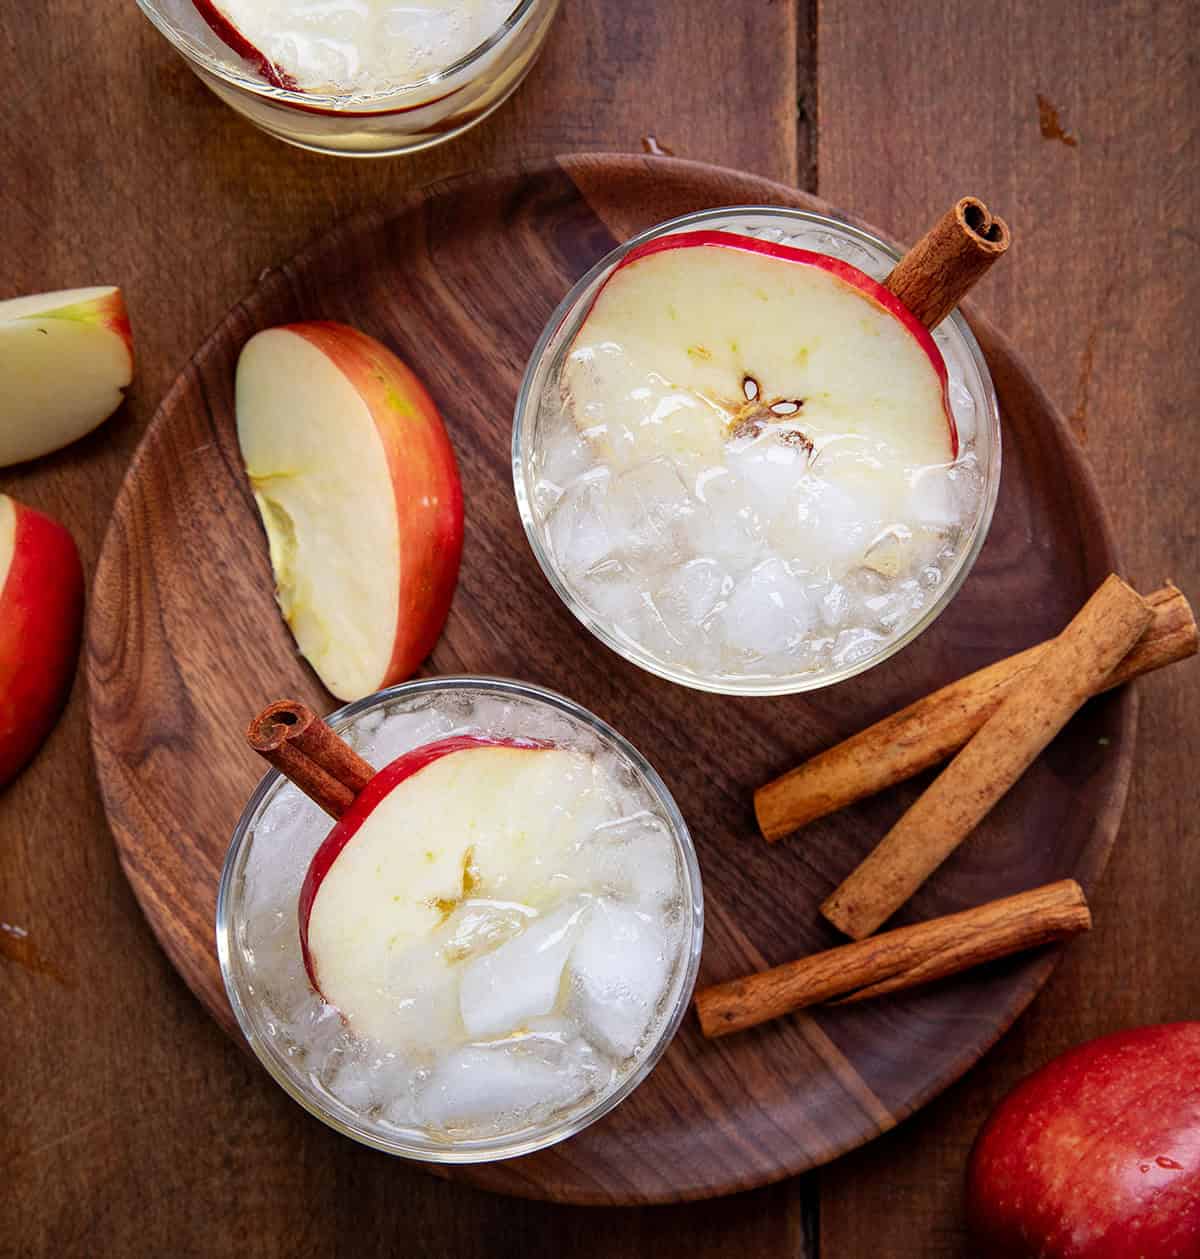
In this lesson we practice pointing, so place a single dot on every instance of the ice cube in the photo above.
(931, 498)
(769, 468)
(646, 507)
(478, 925)
(579, 529)
(726, 525)
(520, 979)
(564, 457)
(691, 592)
(618, 972)
(768, 612)
(491, 1086)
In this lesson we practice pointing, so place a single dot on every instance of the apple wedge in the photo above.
(65, 361)
(358, 490)
(702, 337)
(464, 817)
(41, 611)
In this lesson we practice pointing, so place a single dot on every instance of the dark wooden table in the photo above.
(131, 1125)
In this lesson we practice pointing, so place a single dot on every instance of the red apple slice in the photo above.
(358, 490)
(700, 336)
(462, 818)
(41, 611)
(65, 361)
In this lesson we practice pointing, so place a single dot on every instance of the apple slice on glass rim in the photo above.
(365, 47)
(463, 818)
(700, 338)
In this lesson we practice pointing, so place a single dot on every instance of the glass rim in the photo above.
(797, 683)
(338, 102)
(491, 1149)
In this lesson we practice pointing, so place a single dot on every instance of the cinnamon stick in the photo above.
(1073, 666)
(936, 273)
(898, 959)
(935, 727)
(303, 748)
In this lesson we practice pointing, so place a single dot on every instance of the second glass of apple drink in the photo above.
(502, 952)
(366, 79)
(743, 464)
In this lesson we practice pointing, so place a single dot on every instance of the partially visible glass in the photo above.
(403, 119)
(435, 708)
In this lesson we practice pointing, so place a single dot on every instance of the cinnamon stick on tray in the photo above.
(934, 276)
(303, 748)
(935, 727)
(1034, 710)
(898, 959)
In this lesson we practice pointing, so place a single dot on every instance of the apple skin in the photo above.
(229, 35)
(384, 782)
(844, 271)
(1095, 1156)
(40, 416)
(41, 615)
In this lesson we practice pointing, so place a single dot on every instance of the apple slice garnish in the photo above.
(460, 819)
(358, 490)
(65, 361)
(41, 612)
(365, 46)
(700, 338)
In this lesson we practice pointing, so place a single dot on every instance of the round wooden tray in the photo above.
(184, 643)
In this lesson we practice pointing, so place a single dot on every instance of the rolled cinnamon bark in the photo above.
(936, 273)
(1071, 668)
(935, 727)
(290, 736)
(898, 959)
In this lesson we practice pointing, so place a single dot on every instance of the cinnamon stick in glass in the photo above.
(1072, 667)
(290, 736)
(934, 276)
(898, 959)
(932, 729)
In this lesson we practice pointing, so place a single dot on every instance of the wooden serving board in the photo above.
(184, 643)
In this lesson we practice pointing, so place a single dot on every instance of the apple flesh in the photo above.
(1097, 1155)
(358, 491)
(65, 361)
(41, 612)
(461, 818)
(700, 337)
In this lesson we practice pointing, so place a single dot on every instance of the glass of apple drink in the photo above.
(743, 464)
(358, 77)
(490, 950)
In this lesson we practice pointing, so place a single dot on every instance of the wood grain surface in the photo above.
(132, 1126)
(184, 642)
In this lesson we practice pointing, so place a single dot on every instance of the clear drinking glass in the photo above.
(971, 394)
(404, 118)
(255, 983)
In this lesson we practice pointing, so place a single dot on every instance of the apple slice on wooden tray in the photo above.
(358, 490)
(41, 613)
(65, 361)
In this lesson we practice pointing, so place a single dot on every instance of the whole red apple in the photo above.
(1097, 1155)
